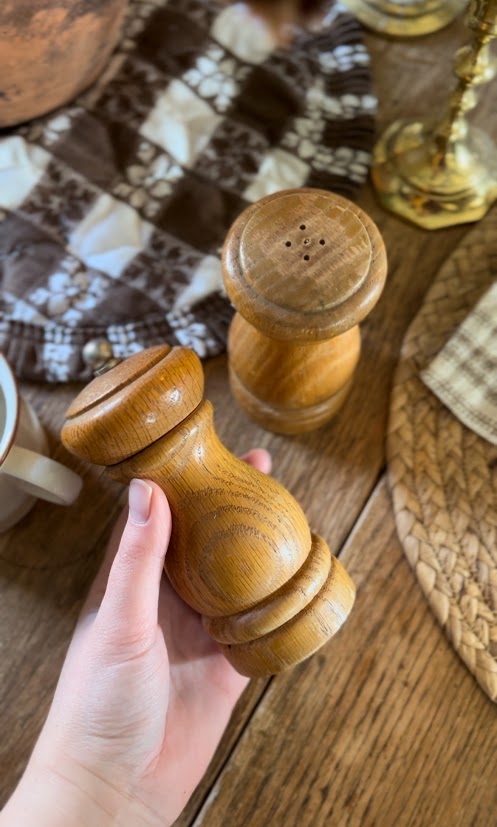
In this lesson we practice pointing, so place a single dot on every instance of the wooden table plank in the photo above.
(383, 728)
(331, 472)
(47, 562)
(240, 719)
(50, 557)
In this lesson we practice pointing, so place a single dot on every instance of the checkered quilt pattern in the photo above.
(113, 209)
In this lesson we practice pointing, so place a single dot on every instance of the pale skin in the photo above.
(143, 698)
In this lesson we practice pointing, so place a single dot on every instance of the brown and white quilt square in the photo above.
(113, 210)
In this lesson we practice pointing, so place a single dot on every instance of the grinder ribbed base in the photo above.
(301, 635)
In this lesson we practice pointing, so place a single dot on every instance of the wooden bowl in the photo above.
(49, 52)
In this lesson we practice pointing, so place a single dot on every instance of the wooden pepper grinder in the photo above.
(241, 551)
(303, 267)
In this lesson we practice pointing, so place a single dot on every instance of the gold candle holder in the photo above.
(438, 174)
(408, 18)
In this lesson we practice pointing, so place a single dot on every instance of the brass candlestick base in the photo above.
(408, 19)
(413, 180)
(442, 173)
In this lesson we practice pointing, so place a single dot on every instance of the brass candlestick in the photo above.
(438, 174)
(408, 18)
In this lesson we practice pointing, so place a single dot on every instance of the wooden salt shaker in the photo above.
(303, 267)
(241, 551)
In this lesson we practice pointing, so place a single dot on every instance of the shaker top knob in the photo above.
(132, 405)
(304, 264)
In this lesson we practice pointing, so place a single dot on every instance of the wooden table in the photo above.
(383, 727)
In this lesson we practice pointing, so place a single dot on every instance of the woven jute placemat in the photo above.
(443, 477)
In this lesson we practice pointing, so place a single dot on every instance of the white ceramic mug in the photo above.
(25, 473)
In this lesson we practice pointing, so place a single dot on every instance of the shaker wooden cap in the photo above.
(304, 264)
(133, 404)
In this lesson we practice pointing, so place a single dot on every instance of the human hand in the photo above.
(144, 695)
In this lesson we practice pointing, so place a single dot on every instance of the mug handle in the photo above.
(41, 476)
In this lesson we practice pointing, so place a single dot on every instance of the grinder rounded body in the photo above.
(242, 554)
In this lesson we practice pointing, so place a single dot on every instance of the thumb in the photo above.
(129, 608)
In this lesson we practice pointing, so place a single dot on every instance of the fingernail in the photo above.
(140, 498)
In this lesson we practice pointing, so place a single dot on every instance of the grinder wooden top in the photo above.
(133, 404)
(304, 264)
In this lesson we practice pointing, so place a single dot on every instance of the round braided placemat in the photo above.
(443, 477)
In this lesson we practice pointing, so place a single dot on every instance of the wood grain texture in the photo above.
(304, 265)
(301, 375)
(393, 735)
(344, 459)
(239, 719)
(288, 387)
(47, 563)
(303, 268)
(241, 551)
(331, 472)
(126, 409)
